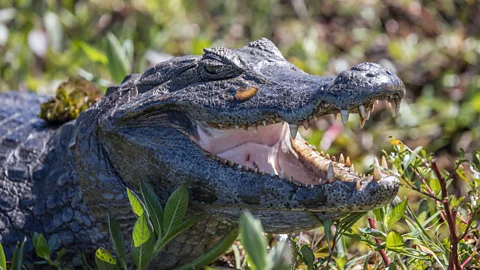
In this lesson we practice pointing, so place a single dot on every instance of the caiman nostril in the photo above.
(370, 75)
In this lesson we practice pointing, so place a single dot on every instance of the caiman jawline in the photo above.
(276, 149)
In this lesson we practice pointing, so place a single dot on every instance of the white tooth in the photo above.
(236, 126)
(264, 123)
(376, 171)
(239, 167)
(362, 112)
(345, 115)
(394, 108)
(358, 185)
(352, 168)
(368, 114)
(394, 169)
(282, 173)
(362, 122)
(315, 118)
(293, 131)
(272, 173)
(384, 162)
(305, 124)
(256, 170)
(397, 105)
(255, 128)
(330, 175)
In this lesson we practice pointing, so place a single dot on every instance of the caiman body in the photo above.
(224, 123)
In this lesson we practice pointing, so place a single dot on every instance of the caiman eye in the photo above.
(216, 68)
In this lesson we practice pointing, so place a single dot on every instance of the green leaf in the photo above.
(396, 214)
(175, 209)
(118, 62)
(135, 203)
(308, 256)
(60, 254)
(41, 247)
(142, 254)
(394, 241)
(118, 241)
(92, 53)
(253, 240)
(140, 233)
(3, 260)
(17, 259)
(104, 260)
(174, 232)
(379, 214)
(327, 229)
(153, 207)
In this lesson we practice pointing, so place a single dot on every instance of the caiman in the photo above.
(224, 123)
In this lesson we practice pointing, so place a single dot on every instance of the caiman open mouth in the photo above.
(273, 147)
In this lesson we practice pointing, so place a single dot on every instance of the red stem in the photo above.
(382, 252)
(453, 261)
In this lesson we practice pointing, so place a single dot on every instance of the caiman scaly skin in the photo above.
(60, 180)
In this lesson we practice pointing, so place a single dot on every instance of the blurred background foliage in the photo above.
(434, 46)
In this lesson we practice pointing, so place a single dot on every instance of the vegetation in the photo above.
(434, 46)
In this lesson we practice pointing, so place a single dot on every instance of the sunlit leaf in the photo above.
(394, 241)
(135, 203)
(141, 232)
(104, 260)
(396, 214)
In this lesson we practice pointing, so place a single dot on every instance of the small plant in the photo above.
(42, 249)
(152, 230)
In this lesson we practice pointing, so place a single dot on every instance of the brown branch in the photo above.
(382, 252)
(453, 260)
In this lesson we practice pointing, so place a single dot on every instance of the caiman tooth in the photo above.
(362, 112)
(272, 173)
(239, 166)
(293, 131)
(377, 175)
(352, 168)
(282, 173)
(341, 159)
(358, 185)
(330, 174)
(255, 128)
(368, 114)
(348, 163)
(362, 122)
(345, 115)
(384, 162)
(256, 170)
(327, 156)
(397, 105)
(334, 158)
(305, 124)
(315, 118)
(394, 106)
(264, 122)
(322, 153)
(236, 126)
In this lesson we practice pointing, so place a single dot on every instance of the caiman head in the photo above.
(225, 123)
